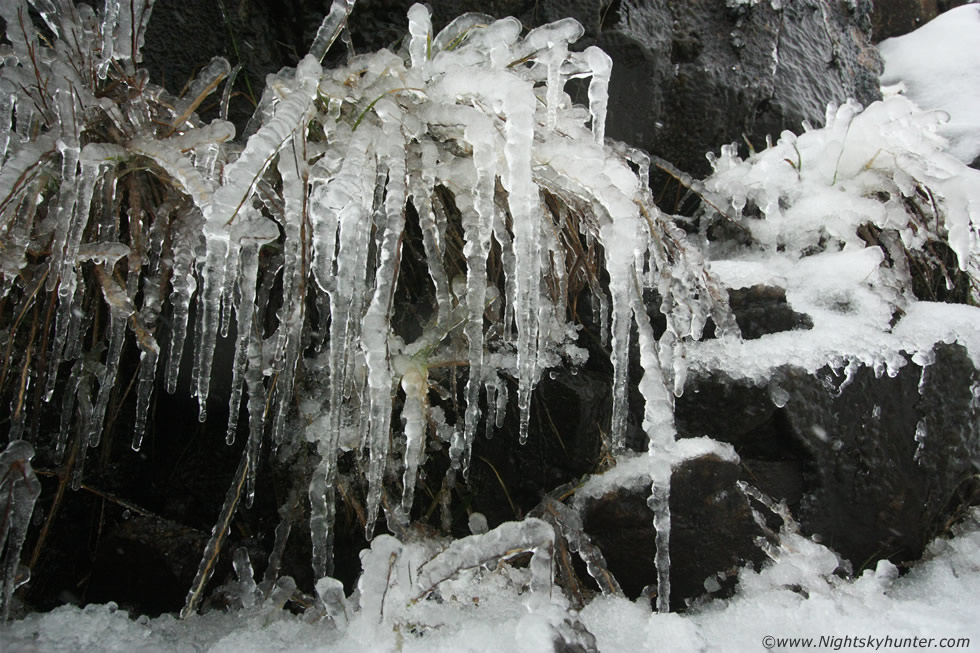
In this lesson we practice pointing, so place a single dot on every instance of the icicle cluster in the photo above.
(467, 134)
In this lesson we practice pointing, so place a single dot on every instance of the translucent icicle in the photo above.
(19, 490)
(246, 577)
(144, 392)
(415, 385)
(458, 30)
(256, 410)
(241, 178)
(422, 186)
(213, 547)
(110, 17)
(8, 97)
(256, 231)
(376, 325)
(420, 31)
(130, 30)
(183, 287)
(601, 65)
(203, 84)
(321, 493)
(20, 33)
(66, 339)
(659, 504)
(477, 229)
(658, 422)
(553, 58)
(120, 309)
(569, 522)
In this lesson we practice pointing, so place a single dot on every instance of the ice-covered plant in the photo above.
(875, 176)
(121, 212)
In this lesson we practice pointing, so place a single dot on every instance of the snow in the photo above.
(795, 596)
(936, 66)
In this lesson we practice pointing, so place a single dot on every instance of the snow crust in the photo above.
(795, 595)
(936, 66)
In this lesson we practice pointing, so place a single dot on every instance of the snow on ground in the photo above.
(937, 65)
(796, 597)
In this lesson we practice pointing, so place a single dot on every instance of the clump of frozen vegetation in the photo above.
(866, 223)
(124, 215)
(122, 211)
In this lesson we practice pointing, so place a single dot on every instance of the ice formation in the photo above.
(179, 234)
(291, 244)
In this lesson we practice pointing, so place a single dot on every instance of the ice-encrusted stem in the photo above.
(658, 422)
(504, 541)
(331, 27)
(241, 178)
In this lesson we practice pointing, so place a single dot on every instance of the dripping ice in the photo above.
(473, 121)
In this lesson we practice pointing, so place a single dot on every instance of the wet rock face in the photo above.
(875, 467)
(715, 74)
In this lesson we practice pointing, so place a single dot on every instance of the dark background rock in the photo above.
(712, 531)
(844, 457)
(897, 17)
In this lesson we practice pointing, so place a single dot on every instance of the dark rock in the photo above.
(568, 413)
(763, 309)
(845, 455)
(712, 531)
(897, 17)
(710, 75)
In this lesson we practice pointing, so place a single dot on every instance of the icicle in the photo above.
(321, 493)
(331, 593)
(144, 391)
(120, 309)
(8, 98)
(553, 58)
(330, 28)
(20, 29)
(110, 17)
(659, 504)
(255, 232)
(415, 385)
(420, 31)
(66, 339)
(422, 186)
(130, 29)
(658, 422)
(241, 178)
(213, 547)
(246, 577)
(184, 286)
(569, 522)
(459, 29)
(601, 65)
(477, 228)
(376, 325)
(19, 490)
